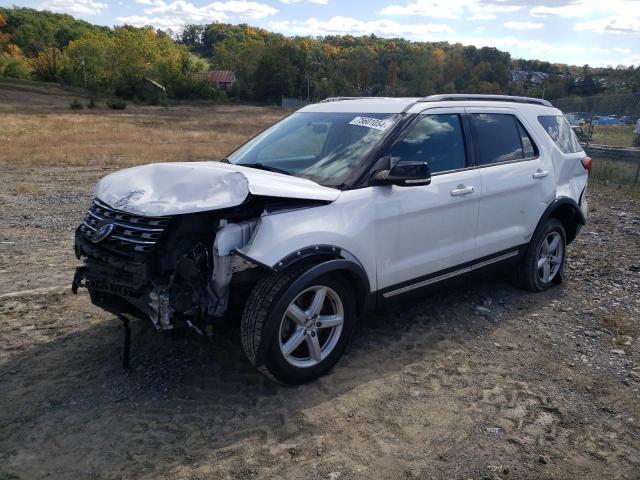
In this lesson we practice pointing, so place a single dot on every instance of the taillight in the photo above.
(586, 163)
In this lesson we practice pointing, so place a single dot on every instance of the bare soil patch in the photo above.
(543, 386)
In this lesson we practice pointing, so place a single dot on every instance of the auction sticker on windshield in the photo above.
(370, 123)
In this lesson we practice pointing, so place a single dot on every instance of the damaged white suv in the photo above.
(338, 208)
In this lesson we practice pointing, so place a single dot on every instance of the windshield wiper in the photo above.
(262, 166)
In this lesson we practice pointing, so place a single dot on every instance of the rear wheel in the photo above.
(308, 333)
(543, 262)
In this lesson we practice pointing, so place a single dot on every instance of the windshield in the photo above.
(321, 146)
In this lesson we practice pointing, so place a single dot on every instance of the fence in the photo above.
(608, 129)
(294, 103)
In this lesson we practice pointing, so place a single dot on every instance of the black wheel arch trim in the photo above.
(365, 298)
(563, 201)
(324, 251)
(575, 209)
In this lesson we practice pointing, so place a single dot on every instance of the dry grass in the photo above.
(616, 172)
(617, 135)
(137, 135)
(37, 127)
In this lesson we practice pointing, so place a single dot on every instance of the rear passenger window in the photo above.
(501, 138)
(530, 149)
(560, 132)
(436, 139)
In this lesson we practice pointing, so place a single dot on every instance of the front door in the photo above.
(424, 229)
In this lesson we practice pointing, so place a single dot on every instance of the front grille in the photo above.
(133, 234)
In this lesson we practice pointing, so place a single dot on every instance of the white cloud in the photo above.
(572, 10)
(523, 25)
(629, 24)
(319, 2)
(150, 2)
(237, 7)
(163, 23)
(476, 9)
(610, 16)
(533, 47)
(244, 8)
(483, 16)
(73, 7)
(178, 13)
(347, 25)
(632, 60)
(586, 8)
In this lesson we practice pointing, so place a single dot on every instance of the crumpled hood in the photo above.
(161, 189)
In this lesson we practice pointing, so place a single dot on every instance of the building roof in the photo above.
(215, 76)
(222, 76)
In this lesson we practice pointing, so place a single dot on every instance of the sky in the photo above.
(597, 32)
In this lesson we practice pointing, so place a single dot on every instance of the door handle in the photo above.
(540, 173)
(462, 190)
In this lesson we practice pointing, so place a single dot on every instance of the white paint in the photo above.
(395, 233)
(512, 199)
(176, 188)
(362, 105)
(401, 233)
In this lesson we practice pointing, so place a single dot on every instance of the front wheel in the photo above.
(543, 262)
(307, 334)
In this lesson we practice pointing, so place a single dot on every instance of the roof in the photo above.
(400, 105)
(215, 76)
(362, 104)
(221, 76)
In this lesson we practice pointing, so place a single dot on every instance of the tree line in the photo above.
(107, 61)
(115, 61)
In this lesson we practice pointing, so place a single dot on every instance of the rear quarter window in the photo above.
(560, 132)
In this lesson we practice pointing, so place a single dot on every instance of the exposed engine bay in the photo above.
(171, 269)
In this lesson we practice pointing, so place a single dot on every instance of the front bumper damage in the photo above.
(182, 278)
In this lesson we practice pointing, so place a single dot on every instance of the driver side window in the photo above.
(436, 139)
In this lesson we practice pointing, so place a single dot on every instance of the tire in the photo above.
(527, 274)
(328, 341)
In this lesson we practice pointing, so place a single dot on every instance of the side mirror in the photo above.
(404, 174)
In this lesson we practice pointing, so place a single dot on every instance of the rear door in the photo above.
(516, 179)
(424, 229)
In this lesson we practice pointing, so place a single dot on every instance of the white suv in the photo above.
(338, 208)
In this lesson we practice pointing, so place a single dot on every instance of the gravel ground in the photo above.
(482, 381)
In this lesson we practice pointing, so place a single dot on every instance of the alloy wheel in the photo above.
(311, 326)
(550, 255)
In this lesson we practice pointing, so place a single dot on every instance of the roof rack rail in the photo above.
(489, 98)
(337, 99)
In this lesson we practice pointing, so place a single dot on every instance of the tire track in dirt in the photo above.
(427, 390)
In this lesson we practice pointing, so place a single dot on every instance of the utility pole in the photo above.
(84, 73)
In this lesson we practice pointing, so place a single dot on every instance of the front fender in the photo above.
(278, 238)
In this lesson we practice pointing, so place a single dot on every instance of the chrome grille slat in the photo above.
(126, 225)
(134, 234)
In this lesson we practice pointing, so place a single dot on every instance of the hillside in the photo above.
(113, 61)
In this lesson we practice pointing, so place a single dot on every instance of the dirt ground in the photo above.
(537, 386)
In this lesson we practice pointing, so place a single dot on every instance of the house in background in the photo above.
(220, 79)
